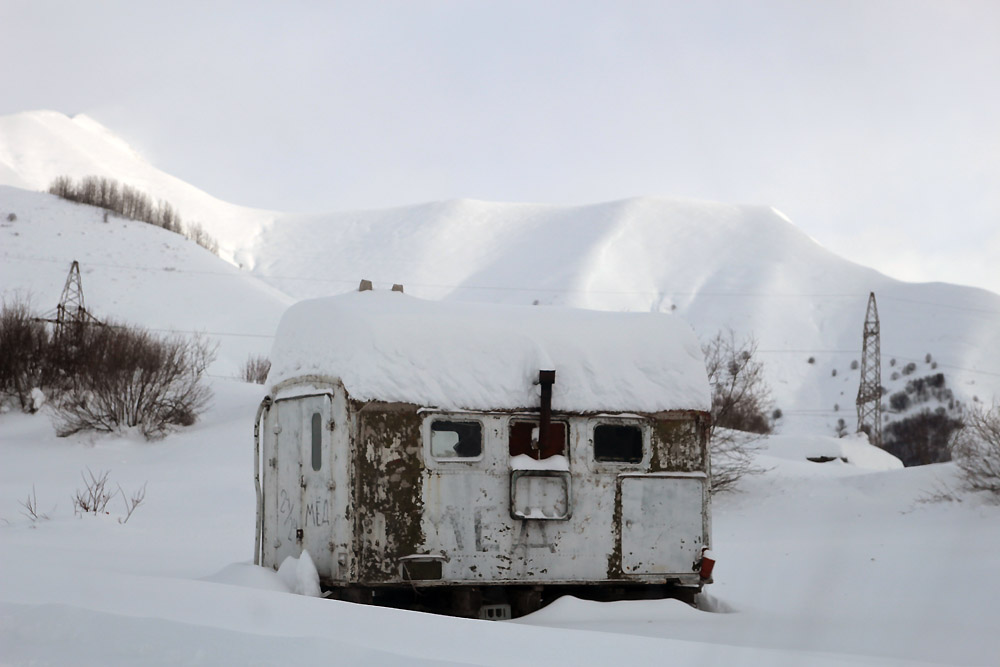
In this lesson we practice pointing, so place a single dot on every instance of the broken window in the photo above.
(525, 436)
(317, 441)
(618, 443)
(456, 439)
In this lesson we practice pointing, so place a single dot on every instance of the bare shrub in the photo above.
(976, 450)
(130, 378)
(29, 507)
(741, 401)
(24, 345)
(255, 369)
(94, 497)
(921, 438)
(940, 492)
(131, 502)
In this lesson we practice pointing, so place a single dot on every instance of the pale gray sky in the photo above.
(874, 125)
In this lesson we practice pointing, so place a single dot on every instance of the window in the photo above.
(456, 439)
(524, 439)
(317, 441)
(618, 443)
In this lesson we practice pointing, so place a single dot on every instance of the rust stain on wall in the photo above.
(388, 487)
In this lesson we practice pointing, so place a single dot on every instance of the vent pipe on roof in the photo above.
(397, 288)
(365, 286)
(546, 379)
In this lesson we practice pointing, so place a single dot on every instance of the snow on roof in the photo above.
(393, 347)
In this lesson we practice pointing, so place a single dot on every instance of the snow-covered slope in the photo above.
(36, 147)
(133, 272)
(719, 266)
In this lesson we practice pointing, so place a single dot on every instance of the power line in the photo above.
(950, 306)
(201, 333)
(508, 288)
(796, 351)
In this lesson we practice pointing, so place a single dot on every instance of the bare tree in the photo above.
(129, 202)
(741, 402)
(197, 233)
(976, 450)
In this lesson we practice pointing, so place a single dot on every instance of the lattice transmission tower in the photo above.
(870, 390)
(71, 315)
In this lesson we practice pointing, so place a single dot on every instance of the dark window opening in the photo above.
(455, 439)
(317, 441)
(618, 443)
(524, 440)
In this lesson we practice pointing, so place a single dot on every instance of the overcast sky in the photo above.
(874, 125)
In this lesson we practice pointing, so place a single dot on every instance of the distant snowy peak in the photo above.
(36, 147)
(36, 144)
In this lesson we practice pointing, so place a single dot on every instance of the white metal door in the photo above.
(662, 523)
(302, 473)
(287, 469)
(315, 482)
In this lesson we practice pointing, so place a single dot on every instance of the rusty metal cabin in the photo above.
(484, 459)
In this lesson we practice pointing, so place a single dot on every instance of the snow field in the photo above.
(824, 564)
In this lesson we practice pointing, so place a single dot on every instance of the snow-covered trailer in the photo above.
(484, 458)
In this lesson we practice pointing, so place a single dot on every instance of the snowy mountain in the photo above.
(133, 272)
(719, 266)
(38, 146)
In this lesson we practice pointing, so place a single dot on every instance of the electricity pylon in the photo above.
(870, 390)
(71, 314)
(71, 310)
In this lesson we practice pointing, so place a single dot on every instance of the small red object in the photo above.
(707, 564)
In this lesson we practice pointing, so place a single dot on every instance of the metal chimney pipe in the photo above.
(546, 379)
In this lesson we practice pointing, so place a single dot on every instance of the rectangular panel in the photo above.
(662, 523)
